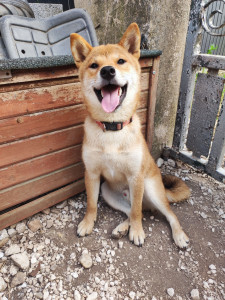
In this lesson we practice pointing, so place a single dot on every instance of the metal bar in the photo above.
(218, 146)
(205, 108)
(209, 61)
(218, 174)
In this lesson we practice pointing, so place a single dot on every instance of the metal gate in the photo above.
(199, 136)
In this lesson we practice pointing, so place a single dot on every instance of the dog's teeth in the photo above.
(102, 94)
(120, 92)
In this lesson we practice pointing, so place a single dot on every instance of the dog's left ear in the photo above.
(79, 48)
(131, 40)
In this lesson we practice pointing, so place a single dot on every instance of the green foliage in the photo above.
(212, 48)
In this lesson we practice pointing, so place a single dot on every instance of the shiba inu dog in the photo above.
(113, 145)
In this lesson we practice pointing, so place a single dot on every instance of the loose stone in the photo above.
(86, 260)
(195, 294)
(21, 260)
(3, 284)
(93, 296)
(19, 278)
(170, 292)
(13, 249)
(35, 225)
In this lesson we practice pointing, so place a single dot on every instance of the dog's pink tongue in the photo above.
(110, 99)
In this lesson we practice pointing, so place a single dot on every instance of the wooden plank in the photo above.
(38, 99)
(146, 62)
(21, 150)
(144, 81)
(142, 114)
(35, 167)
(153, 79)
(205, 107)
(30, 125)
(29, 75)
(209, 61)
(37, 84)
(144, 99)
(40, 204)
(39, 186)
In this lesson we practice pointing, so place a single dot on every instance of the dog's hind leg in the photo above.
(155, 195)
(119, 201)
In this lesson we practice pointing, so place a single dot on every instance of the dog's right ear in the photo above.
(79, 48)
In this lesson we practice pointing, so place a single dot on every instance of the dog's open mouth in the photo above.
(111, 96)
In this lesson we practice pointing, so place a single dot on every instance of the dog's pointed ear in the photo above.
(131, 40)
(80, 48)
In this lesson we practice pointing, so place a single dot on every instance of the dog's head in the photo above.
(109, 75)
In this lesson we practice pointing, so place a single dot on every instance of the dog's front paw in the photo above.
(85, 227)
(121, 230)
(181, 239)
(137, 235)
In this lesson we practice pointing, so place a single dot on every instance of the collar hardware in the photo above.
(112, 126)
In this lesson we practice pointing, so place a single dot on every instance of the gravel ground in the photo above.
(42, 258)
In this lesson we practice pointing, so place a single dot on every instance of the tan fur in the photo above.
(132, 179)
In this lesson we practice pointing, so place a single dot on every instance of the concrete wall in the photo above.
(164, 22)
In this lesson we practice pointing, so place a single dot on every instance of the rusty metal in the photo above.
(199, 135)
(207, 21)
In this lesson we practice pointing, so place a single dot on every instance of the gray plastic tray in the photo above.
(26, 37)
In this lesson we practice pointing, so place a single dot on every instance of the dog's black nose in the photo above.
(108, 72)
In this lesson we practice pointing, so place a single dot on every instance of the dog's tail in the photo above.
(176, 189)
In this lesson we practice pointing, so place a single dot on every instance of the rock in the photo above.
(120, 244)
(171, 162)
(132, 295)
(13, 270)
(212, 267)
(49, 223)
(21, 260)
(18, 279)
(4, 241)
(35, 225)
(86, 260)
(170, 292)
(39, 295)
(203, 215)
(46, 211)
(160, 162)
(62, 205)
(11, 232)
(92, 296)
(3, 234)
(21, 227)
(77, 295)
(13, 249)
(195, 294)
(3, 284)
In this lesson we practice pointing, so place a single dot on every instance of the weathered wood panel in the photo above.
(28, 75)
(207, 98)
(22, 102)
(35, 167)
(40, 204)
(25, 149)
(30, 125)
(32, 188)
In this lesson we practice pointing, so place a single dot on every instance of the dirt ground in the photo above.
(119, 269)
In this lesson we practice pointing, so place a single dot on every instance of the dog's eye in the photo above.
(121, 61)
(94, 66)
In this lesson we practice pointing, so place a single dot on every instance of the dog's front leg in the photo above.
(136, 233)
(92, 183)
